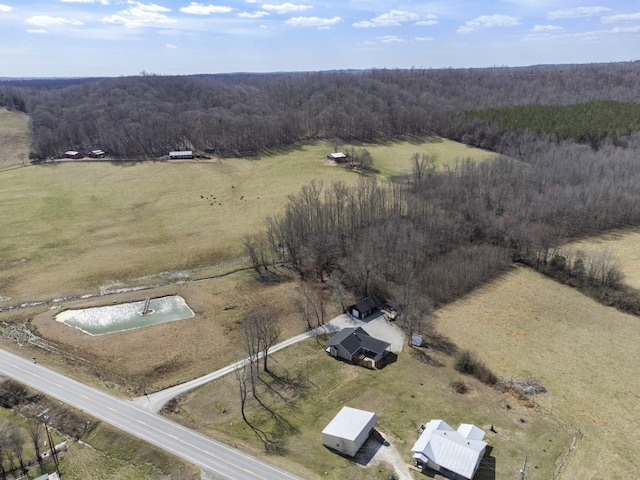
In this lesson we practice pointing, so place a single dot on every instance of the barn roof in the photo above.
(180, 153)
(349, 423)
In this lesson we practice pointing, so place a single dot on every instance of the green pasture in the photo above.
(585, 354)
(73, 227)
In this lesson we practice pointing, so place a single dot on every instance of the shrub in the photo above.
(468, 364)
(459, 387)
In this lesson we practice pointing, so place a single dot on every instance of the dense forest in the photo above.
(244, 114)
(566, 139)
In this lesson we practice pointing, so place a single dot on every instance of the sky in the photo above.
(91, 38)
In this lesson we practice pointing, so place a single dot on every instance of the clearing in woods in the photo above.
(14, 138)
(585, 354)
(623, 244)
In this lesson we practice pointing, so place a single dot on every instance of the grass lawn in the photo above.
(586, 355)
(14, 138)
(403, 395)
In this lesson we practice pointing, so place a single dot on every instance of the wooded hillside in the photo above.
(243, 114)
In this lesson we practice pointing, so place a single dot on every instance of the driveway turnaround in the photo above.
(218, 460)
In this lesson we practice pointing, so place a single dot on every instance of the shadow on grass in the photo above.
(389, 359)
(423, 357)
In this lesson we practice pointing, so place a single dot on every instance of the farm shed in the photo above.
(455, 454)
(97, 154)
(365, 307)
(180, 154)
(73, 154)
(338, 157)
(357, 346)
(348, 430)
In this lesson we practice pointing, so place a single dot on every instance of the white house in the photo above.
(456, 454)
(348, 430)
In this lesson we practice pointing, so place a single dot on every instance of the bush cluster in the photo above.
(468, 363)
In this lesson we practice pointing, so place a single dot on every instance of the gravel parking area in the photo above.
(376, 325)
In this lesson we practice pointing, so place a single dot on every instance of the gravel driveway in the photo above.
(376, 325)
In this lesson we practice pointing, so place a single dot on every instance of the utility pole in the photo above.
(524, 468)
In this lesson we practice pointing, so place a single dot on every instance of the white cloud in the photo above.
(390, 39)
(634, 29)
(546, 28)
(256, 14)
(313, 21)
(577, 12)
(431, 20)
(623, 17)
(103, 2)
(171, 45)
(423, 39)
(488, 21)
(36, 30)
(394, 18)
(5, 8)
(140, 15)
(46, 20)
(286, 7)
(201, 9)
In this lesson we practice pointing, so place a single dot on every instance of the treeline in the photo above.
(590, 122)
(436, 235)
(244, 114)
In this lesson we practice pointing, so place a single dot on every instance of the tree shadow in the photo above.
(424, 357)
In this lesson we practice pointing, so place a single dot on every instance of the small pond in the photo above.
(126, 316)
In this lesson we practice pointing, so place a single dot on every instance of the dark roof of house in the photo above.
(367, 304)
(353, 339)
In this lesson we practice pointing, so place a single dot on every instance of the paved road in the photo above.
(215, 458)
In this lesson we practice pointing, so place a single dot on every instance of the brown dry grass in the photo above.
(163, 355)
(403, 395)
(623, 244)
(586, 355)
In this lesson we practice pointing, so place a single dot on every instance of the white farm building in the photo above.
(348, 430)
(454, 453)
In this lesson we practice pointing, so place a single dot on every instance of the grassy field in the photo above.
(586, 355)
(403, 395)
(623, 244)
(77, 227)
(14, 138)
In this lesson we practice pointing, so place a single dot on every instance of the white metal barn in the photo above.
(348, 430)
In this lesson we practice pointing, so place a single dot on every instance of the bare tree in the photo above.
(261, 331)
(36, 434)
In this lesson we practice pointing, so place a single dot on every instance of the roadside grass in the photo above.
(585, 354)
(106, 453)
(77, 227)
(623, 244)
(14, 138)
(403, 394)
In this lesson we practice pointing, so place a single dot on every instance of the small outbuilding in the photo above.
(181, 154)
(97, 154)
(73, 154)
(349, 430)
(456, 454)
(337, 157)
(365, 307)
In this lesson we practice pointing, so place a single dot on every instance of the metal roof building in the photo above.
(456, 454)
(348, 430)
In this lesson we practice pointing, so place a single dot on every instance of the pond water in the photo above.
(126, 316)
